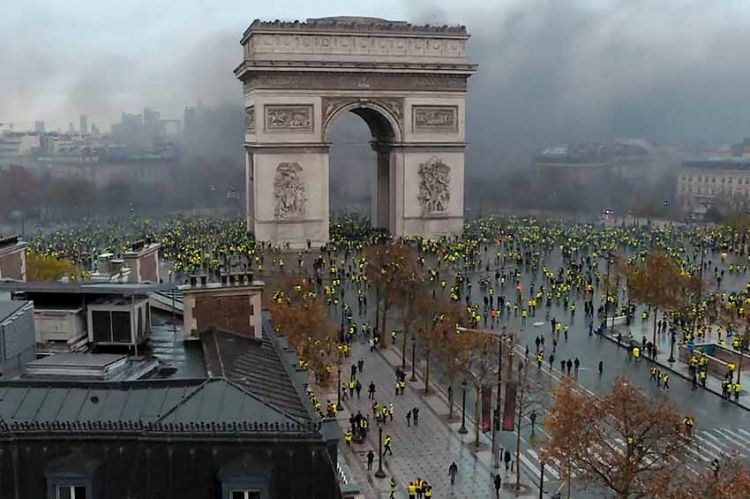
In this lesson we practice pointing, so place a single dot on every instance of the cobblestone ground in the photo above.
(425, 450)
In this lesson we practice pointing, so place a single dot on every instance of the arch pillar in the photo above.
(288, 193)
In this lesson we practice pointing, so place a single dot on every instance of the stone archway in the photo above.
(409, 85)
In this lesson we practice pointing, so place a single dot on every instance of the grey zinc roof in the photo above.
(224, 403)
(154, 401)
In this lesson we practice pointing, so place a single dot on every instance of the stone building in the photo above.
(723, 183)
(192, 439)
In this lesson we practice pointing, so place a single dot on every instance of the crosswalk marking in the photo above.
(706, 445)
(547, 467)
(736, 436)
(530, 465)
(705, 442)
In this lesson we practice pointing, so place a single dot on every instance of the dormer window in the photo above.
(70, 492)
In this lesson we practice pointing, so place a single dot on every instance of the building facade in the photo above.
(723, 183)
(192, 439)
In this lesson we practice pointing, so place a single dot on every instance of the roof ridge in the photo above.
(258, 398)
(196, 389)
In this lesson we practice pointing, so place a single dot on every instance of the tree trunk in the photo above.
(450, 400)
(518, 439)
(384, 334)
(377, 312)
(427, 372)
(477, 416)
(403, 347)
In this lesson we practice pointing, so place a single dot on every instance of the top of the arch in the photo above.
(353, 44)
(344, 24)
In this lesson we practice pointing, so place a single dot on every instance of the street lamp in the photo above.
(463, 429)
(671, 346)
(380, 473)
(413, 357)
(338, 387)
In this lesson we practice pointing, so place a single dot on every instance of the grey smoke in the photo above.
(551, 71)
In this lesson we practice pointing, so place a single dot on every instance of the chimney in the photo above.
(193, 280)
(204, 280)
(224, 279)
(116, 265)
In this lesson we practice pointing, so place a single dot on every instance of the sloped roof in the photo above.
(159, 402)
(256, 365)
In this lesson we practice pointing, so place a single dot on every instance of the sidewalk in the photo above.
(713, 384)
(424, 451)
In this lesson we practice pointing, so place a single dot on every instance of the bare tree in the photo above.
(622, 440)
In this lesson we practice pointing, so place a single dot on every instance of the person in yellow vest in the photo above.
(411, 490)
(737, 389)
(636, 353)
(348, 437)
(392, 485)
(420, 487)
(387, 445)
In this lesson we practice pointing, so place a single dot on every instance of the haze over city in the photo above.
(520, 227)
(551, 71)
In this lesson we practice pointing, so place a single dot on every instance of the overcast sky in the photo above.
(550, 70)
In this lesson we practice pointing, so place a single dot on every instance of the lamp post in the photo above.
(413, 357)
(541, 479)
(338, 387)
(495, 437)
(380, 473)
(671, 346)
(463, 429)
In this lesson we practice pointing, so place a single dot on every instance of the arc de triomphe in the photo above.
(409, 85)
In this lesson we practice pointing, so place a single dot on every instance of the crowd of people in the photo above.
(504, 271)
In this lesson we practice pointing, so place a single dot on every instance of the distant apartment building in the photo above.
(721, 181)
(84, 122)
(39, 126)
(586, 164)
(14, 144)
(714, 182)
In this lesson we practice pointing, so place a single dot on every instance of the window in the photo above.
(245, 494)
(71, 492)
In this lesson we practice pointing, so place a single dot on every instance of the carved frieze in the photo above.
(289, 117)
(435, 118)
(323, 44)
(343, 81)
(289, 191)
(434, 186)
(250, 119)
